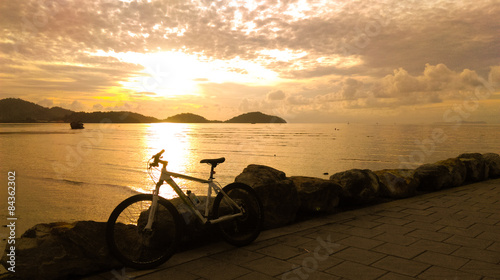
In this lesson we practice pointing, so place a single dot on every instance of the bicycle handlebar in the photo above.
(158, 155)
(157, 159)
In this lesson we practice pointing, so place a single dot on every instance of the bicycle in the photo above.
(144, 230)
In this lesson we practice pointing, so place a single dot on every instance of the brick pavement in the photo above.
(452, 234)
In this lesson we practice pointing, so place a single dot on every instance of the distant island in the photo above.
(253, 117)
(14, 110)
(188, 118)
(256, 117)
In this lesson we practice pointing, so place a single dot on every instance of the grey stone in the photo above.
(316, 195)
(358, 186)
(193, 228)
(397, 183)
(277, 193)
(477, 170)
(432, 177)
(62, 250)
(492, 161)
(457, 170)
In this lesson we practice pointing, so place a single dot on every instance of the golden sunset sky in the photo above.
(306, 61)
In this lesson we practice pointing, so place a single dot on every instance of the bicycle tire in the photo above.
(140, 249)
(243, 230)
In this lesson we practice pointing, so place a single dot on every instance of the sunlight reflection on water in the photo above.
(177, 142)
(84, 174)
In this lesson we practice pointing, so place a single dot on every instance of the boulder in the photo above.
(358, 186)
(397, 183)
(492, 161)
(316, 195)
(457, 170)
(277, 193)
(255, 174)
(62, 250)
(194, 230)
(477, 170)
(432, 177)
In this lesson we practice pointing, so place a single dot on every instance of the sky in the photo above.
(386, 61)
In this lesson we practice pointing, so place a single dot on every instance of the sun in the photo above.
(176, 73)
(166, 74)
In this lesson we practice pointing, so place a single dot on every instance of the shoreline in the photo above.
(306, 194)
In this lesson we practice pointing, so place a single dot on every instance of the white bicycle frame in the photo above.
(166, 176)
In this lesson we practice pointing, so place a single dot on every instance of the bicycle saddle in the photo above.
(214, 161)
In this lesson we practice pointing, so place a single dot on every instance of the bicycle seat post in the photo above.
(213, 163)
(212, 171)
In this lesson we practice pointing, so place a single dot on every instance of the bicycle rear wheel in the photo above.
(136, 247)
(243, 230)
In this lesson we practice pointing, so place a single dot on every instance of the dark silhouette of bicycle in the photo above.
(144, 230)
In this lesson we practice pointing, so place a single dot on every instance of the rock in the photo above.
(477, 170)
(316, 195)
(358, 186)
(397, 183)
(432, 177)
(194, 230)
(492, 161)
(259, 175)
(62, 250)
(277, 193)
(457, 170)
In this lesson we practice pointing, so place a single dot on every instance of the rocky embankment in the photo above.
(61, 250)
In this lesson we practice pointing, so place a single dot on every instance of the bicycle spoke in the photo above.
(244, 229)
(137, 247)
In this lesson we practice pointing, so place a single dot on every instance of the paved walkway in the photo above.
(452, 234)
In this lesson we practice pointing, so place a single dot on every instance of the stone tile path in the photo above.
(453, 234)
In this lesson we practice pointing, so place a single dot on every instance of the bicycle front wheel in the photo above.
(242, 230)
(135, 246)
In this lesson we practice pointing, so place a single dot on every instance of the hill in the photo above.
(188, 118)
(18, 110)
(256, 117)
(112, 117)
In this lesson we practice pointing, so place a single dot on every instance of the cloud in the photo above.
(46, 103)
(248, 105)
(494, 76)
(276, 95)
(118, 107)
(201, 80)
(350, 89)
(298, 99)
(97, 107)
(356, 54)
(225, 29)
(77, 106)
(435, 84)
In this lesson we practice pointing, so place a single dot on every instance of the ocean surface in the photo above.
(69, 175)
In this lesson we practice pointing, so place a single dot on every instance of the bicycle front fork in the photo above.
(154, 205)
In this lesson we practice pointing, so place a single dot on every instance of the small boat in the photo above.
(77, 125)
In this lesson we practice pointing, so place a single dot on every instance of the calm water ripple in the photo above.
(73, 175)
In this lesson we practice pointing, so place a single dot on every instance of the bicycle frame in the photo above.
(166, 176)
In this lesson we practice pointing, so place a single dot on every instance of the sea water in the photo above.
(70, 175)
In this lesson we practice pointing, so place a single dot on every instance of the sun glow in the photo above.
(284, 55)
(175, 140)
(175, 73)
